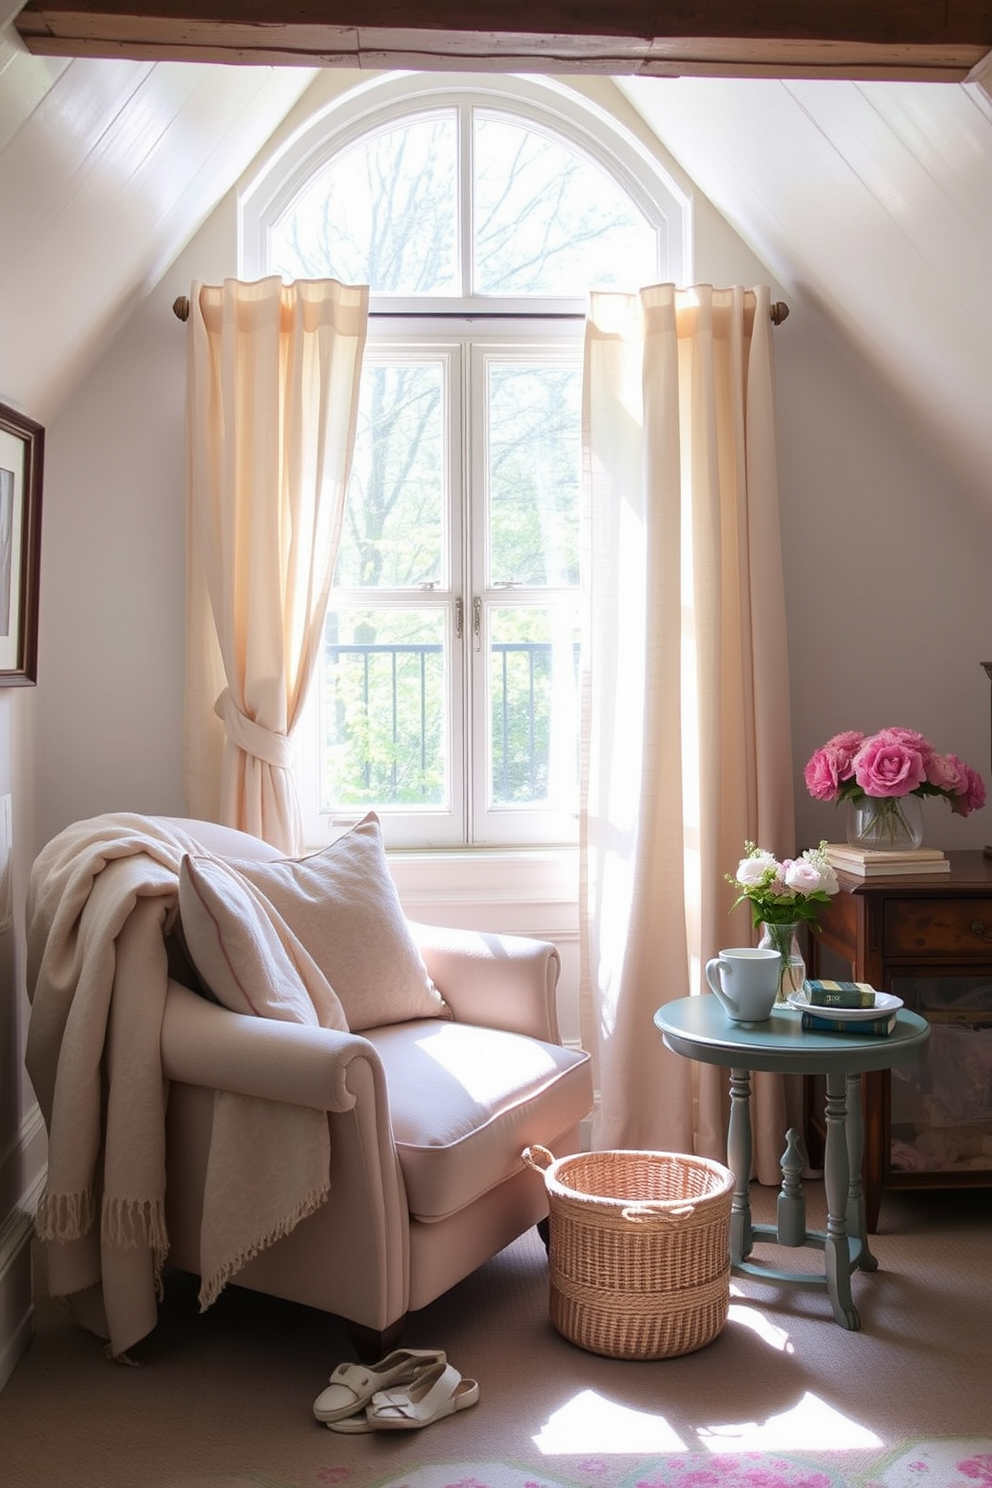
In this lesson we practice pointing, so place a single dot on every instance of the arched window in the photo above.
(480, 211)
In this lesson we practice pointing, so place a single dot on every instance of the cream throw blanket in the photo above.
(101, 897)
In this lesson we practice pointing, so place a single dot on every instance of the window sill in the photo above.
(495, 874)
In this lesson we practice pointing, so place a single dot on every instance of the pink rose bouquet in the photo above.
(892, 763)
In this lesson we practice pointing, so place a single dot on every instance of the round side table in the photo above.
(698, 1028)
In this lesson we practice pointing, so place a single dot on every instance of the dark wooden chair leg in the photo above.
(373, 1344)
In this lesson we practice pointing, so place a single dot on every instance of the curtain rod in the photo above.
(180, 308)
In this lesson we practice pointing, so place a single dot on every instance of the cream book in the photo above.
(865, 862)
(890, 869)
(872, 854)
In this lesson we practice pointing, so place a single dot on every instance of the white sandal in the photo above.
(352, 1386)
(438, 1393)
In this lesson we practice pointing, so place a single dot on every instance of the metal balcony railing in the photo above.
(523, 668)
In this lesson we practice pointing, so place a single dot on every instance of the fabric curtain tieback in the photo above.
(254, 738)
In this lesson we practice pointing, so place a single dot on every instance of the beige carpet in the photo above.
(783, 1398)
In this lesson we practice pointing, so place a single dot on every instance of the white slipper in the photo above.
(439, 1392)
(352, 1386)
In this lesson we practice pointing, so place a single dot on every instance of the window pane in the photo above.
(533, 696)
(393, 534)
(384, 739)
(383, 213)
(549, 221)
(533, 468)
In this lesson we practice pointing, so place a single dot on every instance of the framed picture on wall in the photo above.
(22, 445)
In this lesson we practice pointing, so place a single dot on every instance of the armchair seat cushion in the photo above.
(465, 1102)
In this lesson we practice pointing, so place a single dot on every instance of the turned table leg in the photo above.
(836, 1182)
(856, 1226)
(739, 1157)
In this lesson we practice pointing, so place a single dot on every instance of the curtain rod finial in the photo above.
(180, 307)
(780, 312)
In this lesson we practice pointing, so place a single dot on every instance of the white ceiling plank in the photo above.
(913, 148)
(749, 151)
(111, 180)
(835, 201)
(222, 143)
(906, 218)
(59, 146)
(949, 132)
(24, 81)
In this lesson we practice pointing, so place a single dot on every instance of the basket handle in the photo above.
(538, 1157)
(646, 1213)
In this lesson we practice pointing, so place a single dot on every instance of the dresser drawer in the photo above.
(939, 928)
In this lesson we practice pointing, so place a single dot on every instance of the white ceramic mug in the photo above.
(745, 979)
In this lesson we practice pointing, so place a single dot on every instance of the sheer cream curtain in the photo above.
(686, 738)
(271, 404)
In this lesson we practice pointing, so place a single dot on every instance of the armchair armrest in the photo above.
(352, 1257)
(204, 1044)
(496, 981)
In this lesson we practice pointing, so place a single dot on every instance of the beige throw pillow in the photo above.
(245, 953)
(342, 904)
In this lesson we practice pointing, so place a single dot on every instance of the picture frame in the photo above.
(22, 450)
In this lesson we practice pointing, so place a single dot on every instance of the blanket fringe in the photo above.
(212, 1286)
(131, 1224)
(135, 1224)
(65, 1217)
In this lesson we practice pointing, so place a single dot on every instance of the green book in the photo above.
(863, 1027)
(840, 994)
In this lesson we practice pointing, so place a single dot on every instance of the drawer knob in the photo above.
(978, 928)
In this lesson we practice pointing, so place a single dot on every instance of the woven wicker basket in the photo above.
(639, 1250)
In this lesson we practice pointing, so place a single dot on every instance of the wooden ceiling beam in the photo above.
(894, 39)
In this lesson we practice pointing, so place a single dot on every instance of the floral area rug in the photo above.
(941, 1463)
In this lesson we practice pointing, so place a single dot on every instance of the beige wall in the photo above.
(887, 577)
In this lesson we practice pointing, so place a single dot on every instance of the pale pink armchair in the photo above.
(427, 1118)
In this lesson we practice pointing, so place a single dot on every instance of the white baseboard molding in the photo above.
(16, 1301)
(16, 1233)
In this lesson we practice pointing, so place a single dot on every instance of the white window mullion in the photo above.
(467, 199)
(459, 539)
(479, 732)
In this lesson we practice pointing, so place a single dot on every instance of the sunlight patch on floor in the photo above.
(776, 1337)
(811, 1425)
(591, 1423)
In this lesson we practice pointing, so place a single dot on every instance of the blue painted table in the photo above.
(698, 1028)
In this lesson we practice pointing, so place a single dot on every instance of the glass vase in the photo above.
(785, 940)
(885, 823)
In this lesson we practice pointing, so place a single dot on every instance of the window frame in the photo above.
(546, 103)
(469, 821)
(396, 321)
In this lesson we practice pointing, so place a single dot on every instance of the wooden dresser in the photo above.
(928, 939)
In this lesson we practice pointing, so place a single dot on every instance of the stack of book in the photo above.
(839, 995)
(865, 862)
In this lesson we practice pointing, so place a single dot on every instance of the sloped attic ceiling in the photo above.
(872, 200)
(106, 171)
